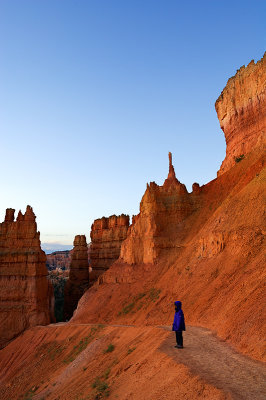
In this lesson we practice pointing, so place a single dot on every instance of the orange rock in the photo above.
(78, 281)
(26, 298)
(107, 235)
(241, 109)
(161, 208)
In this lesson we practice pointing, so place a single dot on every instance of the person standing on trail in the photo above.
(179, 324)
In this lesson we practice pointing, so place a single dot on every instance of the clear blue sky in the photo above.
(93, 95)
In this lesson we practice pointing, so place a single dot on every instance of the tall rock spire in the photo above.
(26, 296)
(78, 281)
(171, 174)
(171, 182)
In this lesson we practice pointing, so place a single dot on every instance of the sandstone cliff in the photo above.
(107, 235)
(25, 294)
(78, 280)
(241, 109)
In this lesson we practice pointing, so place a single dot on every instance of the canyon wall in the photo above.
(107, 236)
(241, 109)
(159, 225)
(26, 296)
(78, 281)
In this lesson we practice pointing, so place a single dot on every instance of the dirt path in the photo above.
(218, 364)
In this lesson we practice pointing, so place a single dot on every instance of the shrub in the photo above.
(101, 387)
(131, 350)
(82, 344)
(239, 158)
(110, 348)
(154, 294)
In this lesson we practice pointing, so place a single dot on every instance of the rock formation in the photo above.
(241, 109)
(107, 235)
(78, 281)
(205, 247)
(61, 259)
(25, 294)
(162, 211)
(58, 259)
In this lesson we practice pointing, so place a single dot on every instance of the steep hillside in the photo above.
(218, 270)
(70, 362)
(205, 248)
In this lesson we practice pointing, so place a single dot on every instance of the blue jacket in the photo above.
(179, 320)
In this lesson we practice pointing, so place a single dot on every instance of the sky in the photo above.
(94, 94)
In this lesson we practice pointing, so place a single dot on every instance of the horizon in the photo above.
(94, 96)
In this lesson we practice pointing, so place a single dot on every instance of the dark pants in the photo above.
(179, 338)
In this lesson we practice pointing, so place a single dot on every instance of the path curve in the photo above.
(218, 364)
(213, 360)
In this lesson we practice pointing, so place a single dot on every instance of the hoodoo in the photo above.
(162, 210)
(78, 281)
(107, 236)
(25, 294)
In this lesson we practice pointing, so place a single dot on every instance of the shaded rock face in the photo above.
(241, 109)
(107, 236)
(162, 211)
(26, 296)
(78, 281)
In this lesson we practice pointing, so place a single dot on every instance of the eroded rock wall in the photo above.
(107, 236)
(78, 281)
(26, 297)
(241, 109)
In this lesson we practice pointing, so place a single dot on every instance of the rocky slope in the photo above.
(26, 297)
(73, 362)
(78, 281)
(107, 235)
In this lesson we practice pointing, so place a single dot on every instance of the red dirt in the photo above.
(35, 363)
